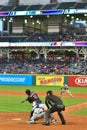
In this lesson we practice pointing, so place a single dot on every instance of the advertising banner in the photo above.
(49, 80)
(15, 79)
(76, 81)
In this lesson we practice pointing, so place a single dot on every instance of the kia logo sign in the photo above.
(82, 81)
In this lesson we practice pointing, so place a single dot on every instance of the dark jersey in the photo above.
(33, 97)
(52, 100)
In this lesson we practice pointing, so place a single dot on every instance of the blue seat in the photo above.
(6, 8)
(67, 5)
(35, 7)
(81, 6)
(21, 8)
(49, 7)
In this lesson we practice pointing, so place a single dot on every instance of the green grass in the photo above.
(73, 101)
(13, 103)
(79, 89)
(81, 112)
(41, 88)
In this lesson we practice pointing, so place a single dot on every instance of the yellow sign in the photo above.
(49, 80)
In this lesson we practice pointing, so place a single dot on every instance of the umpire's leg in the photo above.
(61, 117)
(47, 115)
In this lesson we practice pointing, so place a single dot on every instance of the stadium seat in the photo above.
(35, 7)
(21, 8)
(50, 7)
(6, 8)
(66, 5)
(81, 6)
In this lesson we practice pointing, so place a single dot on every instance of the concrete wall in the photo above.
(33, 2)
(4, 2)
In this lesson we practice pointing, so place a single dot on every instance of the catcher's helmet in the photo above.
(50, 92)
(27, 91)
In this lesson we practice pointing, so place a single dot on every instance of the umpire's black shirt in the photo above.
(52, 100)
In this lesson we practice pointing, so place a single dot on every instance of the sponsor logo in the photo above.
(50, 80)
(81, 81)
(12, 79)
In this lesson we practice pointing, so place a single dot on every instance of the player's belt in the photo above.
(62, 107)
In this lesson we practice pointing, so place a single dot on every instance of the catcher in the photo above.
(38, 112)
(65, 88)
(38, 108)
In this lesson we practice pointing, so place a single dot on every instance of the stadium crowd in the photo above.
(43, 37)
(61, 36)
(54, 64)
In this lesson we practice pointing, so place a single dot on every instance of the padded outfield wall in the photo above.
(43, 80)
(57, 80)
(17, 79)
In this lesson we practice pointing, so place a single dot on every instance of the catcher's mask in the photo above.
(27, 91)
(50, 92)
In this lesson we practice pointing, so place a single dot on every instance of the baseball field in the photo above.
(14, 115)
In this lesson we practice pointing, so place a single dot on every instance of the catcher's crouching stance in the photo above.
(37, 112)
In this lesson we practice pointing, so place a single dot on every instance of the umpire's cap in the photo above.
(27, 91)
(50, 92)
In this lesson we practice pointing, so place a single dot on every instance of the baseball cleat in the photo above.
(54, 121)
(31, 122)
(46, 123)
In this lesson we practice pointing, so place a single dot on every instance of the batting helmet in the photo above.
(27, 91)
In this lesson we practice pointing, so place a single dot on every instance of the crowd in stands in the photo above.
(64, 36)
(44, 37)
(54, 64)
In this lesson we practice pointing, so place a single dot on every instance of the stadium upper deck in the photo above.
(53, 6)
(27, 25)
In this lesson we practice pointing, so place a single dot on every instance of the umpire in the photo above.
(54, 104)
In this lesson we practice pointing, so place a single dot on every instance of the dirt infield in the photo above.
(18, 121)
